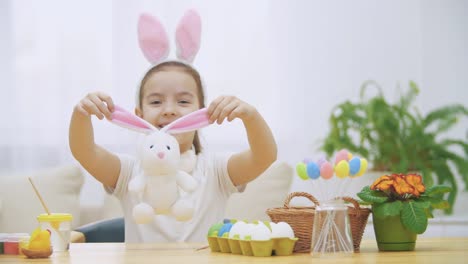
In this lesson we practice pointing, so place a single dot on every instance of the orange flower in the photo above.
(401, 186)
(415, 181)
(383, 183)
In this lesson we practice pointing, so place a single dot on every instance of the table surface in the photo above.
(428, 250)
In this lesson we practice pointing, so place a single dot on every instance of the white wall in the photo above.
(5, 65)
(444, 68)
(445, 56)
(444, 52)
(293, 61)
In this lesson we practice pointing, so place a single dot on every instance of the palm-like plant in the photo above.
(397, 138)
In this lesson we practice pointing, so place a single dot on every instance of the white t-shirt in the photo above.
(210, 198)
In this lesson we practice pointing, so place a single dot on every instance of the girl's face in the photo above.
(168, 95)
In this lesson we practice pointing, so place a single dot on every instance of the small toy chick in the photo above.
(40, 240)
(39, 244)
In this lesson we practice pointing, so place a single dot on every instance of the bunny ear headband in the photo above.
(190, 122)
(154, 43)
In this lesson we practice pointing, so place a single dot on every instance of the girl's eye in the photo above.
(152, 146)
(155, 102)
(168, 148)
(184, 102)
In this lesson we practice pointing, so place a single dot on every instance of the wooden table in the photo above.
(447, 250)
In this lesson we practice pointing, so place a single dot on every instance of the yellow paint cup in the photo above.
(59, 226)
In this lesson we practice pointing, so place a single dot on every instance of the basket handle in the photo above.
(351, 200)
(300, 194)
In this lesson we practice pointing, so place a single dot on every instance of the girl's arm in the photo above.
(100, 163)
(245, 166)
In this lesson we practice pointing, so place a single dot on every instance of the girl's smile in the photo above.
(168, 95)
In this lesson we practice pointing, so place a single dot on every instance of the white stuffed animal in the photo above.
(156, 186)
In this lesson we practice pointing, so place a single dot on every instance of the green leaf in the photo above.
(413, 217)
(445, 117)
(393, 135)
(370, 196)
(369, 83)
(432, 200)
(387, 209)
(437, 189)
(441, 205)
(426, 174)
(423, 203)
(429, 213)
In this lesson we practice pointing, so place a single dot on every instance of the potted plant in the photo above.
(395, 137)
(401, 206)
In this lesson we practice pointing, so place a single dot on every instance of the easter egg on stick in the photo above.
(313, 170)
(301, 170)
(342, 169)
(354, 166)
(326, 170)
(341, 155)
(320, 161)
(363, 168)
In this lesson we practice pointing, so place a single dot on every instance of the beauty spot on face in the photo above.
(167, 96)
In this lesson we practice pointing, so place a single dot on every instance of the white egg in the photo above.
(261, 232)
(245, 230)
(281, 229)
(273, 226)
(242, 230)
(237, 229)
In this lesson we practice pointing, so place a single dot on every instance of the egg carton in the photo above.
(257, 248)
(260, 239)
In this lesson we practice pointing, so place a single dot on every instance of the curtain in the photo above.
(56, 56)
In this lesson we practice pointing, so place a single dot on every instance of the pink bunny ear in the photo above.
(188, 36)
(128, 120)
(190, 122)
(152, 38)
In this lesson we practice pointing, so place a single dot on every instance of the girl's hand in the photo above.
(230, 107)
(96, 103)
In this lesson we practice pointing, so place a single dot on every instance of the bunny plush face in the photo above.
(159, 154)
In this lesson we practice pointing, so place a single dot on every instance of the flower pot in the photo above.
(391, 235)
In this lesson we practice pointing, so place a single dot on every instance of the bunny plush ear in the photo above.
(125, 119)
(188, 35)
(190, 122)
(152, 39)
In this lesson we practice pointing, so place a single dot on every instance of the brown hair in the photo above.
(184, 68)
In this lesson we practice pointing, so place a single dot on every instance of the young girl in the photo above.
(168, 91)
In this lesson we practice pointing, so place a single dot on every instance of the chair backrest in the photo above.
(267, 191)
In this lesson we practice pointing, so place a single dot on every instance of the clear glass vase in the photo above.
(331, 233)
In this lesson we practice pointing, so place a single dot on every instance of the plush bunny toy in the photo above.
(156, 186)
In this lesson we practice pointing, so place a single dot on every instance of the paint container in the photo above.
(59, 226)
(11, 244)
(2, 241)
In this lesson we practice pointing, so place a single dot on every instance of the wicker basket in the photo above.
(301, 219)
(358, 219)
